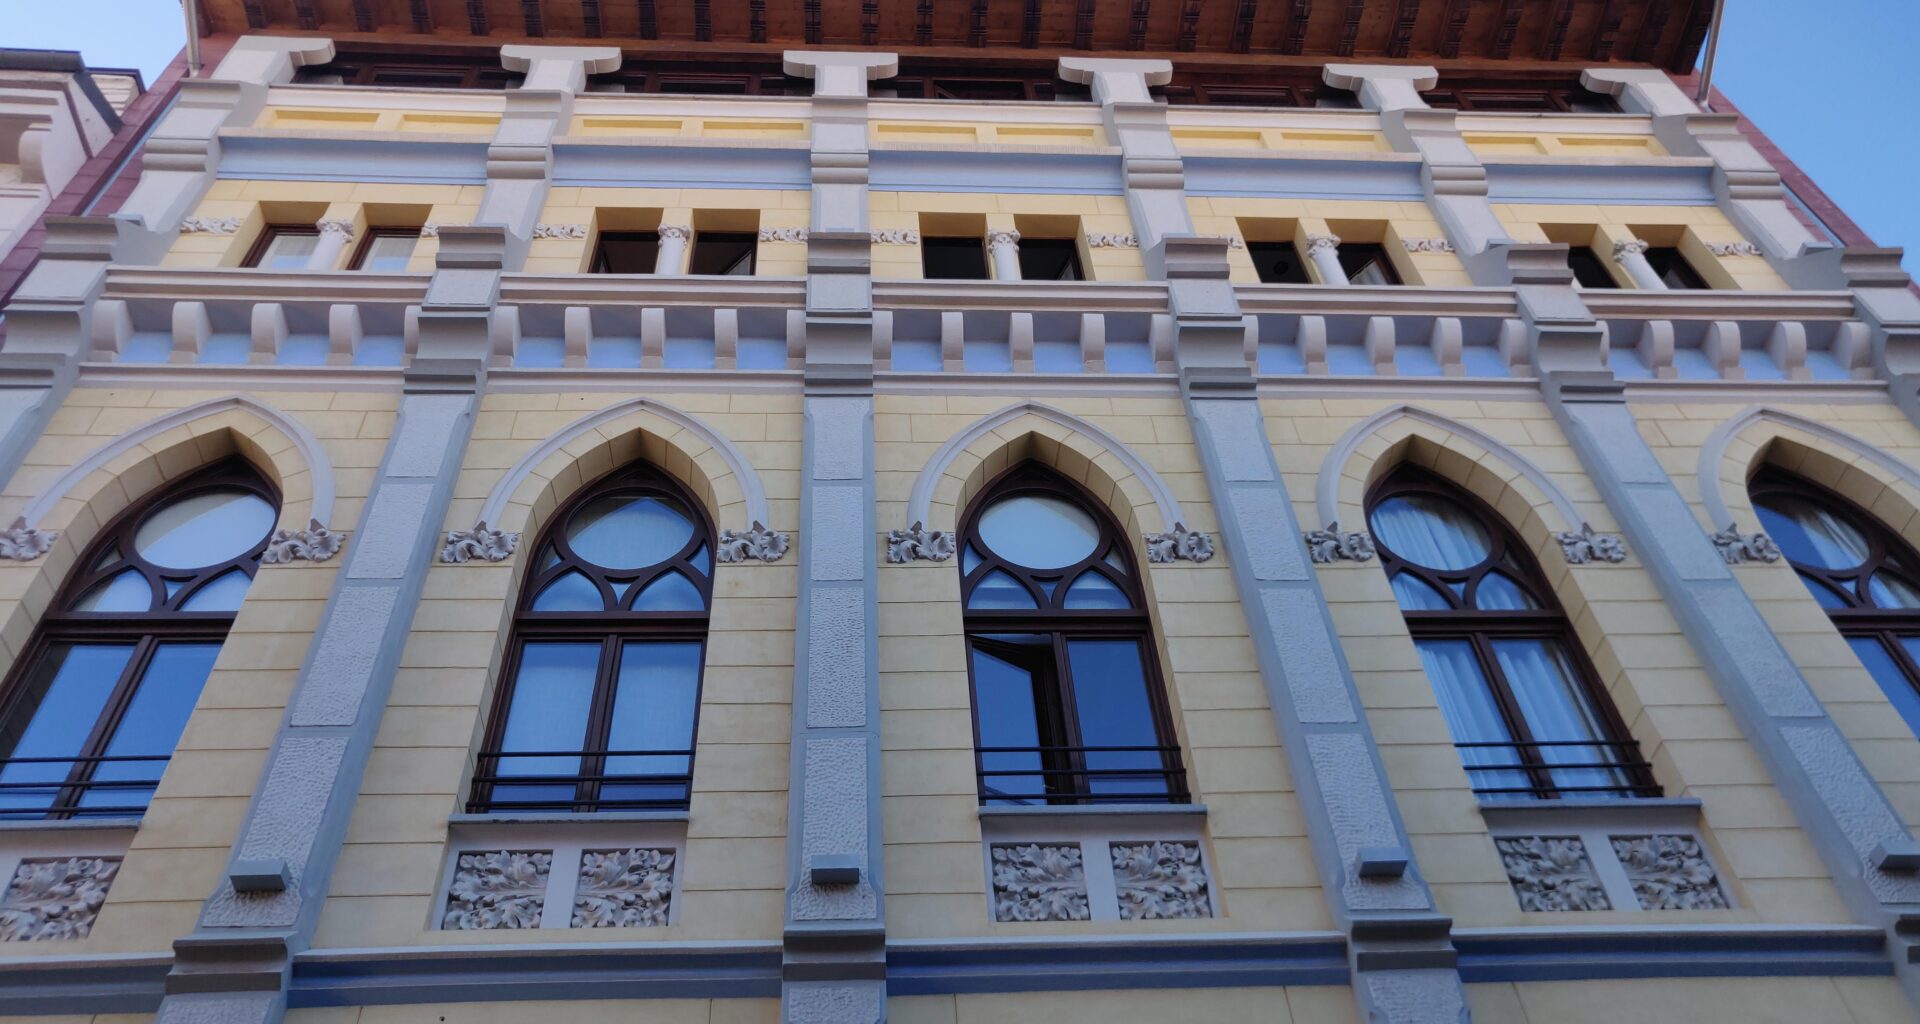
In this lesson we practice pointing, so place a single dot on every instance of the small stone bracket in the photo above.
(1332, 545)
(268, 874)
(918, 542)
(1584, 546)
(1901, 855)
(1736, 547)
(833, 869)
(1381, 862)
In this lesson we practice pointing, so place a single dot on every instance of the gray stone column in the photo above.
(1631, 254)
(234, 967)
(181, 157)
(1454, 178)
(1324, 251)
(835, 958)
(50, 326)
(1854, 828)
(520, 158)
(1004, 246)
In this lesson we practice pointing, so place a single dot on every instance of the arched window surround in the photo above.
(169, 646)
(597, 784)
(1064, 768)
(1522, 765)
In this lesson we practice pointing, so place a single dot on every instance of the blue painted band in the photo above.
(681, 167)
(1280, 177)
(1518, 956)
(287, 159)
(918, 170)
(1600, 185)
(1082, 965)
(387, 977)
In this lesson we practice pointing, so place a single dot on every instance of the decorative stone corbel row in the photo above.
(1427, 244)
(1112, 241)
(563, 231)
(754, 542)
(315, 543)
(479, 542)
(918, 542)
(23, 543)
(209, 225)
(1584, 545)
(1332, 545)
(1178, 544)
(1733, 249)
(1736, 547)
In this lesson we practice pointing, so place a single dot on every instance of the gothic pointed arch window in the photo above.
(1068, 703)
(1866, 576)
(97, 702)
(1526, 711)
(600, 694)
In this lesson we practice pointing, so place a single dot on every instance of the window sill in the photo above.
(1092, 812)
(1659, 812)
(567, 818)
(43, 825)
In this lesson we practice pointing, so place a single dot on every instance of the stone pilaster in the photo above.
(835, 960)
(520, 158)
(234, 967)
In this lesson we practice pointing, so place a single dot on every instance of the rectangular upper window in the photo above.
(1588, 269)
(723, 253)
(1674, 269)
(284, 247)
(626, 252)
(386, 250)
(1278, 262)
(953, 259)
(1050, 259)
(1367, 263)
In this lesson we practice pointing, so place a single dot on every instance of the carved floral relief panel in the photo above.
(1093, 878)
(1160, 879)
(498, 889)
(1670, 873)
(1039, 882)
(1552, 873)
(630, 888)
(53, 898)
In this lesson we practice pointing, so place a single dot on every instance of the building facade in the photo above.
(836, 513)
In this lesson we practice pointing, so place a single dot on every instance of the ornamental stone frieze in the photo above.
(755, 543)
(1584, 546)
(895, 236)
(1670, 873)
(1737, 548)
(561, 230)
(209, 225)
(629, 888)
(1427, 244)
(1334, 545)
(1733, 249)
(1039, 882)
(1178, 544)
(23, 543)
(1552, 873)
(1112, 241)
(1160, 879)
(498, 889)
(918, 542)
(481, 542)
(315, 543)
(55, 898)
(783, 234)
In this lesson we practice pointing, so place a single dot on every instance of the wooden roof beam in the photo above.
(363, 16)
(1030, 25)
(1350, 28)
(977, 23)
(1243, 16)
(649, 20)
(308, 17)
(477, 17)
(1298, 13)
(1652, 27)
(1557, 25)
(530, 16)
(757, 21)
(1137, 26)
(1404, 19)
(703, 21)
(1608, 30)
(870, 22)
(590, 18)
(1454, 29)
(1189, 25)
(1510, 11)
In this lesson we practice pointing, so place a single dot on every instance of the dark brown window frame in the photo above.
(146, 631)
(611, 629)
(1062, 751)
(600, 264)
(274, 231)
(1887, 552)
(367, 238)
(1510, 557)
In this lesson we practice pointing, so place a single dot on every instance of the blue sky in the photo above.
(1835, 83)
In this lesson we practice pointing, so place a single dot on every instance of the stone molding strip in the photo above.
(1713, 455)
(754, 494)
(307, 445)
(936, 467)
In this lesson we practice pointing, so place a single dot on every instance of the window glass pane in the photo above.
(953, 259)
(1587, 268)
(64, 696)
(1005, 704)
(204, 529)
(655, 700)
(151, 727)
(1278, 263)
(1038, 531)
(728, 253)
(700, 560)
(1415, 595)
(224, 594)
(999, 590)
(968, 559)
(288, 251)
(1890, 591)
(1557, 710)
(627, 252)
(127, 591)
(629, 532)
(1891, 677)
(1499, 593)
(1823, 593)
(1115, 710)
(1049, 259)
(1093, 590)
(670, 593)
(1809, 533)
(572, 591)
(1473, 716)
(1429, 530)
(552, 693)
(389, 253)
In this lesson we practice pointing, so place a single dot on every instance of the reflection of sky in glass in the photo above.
(628, 533)
(1429, 530)
(1038, 532)
(81, 678)
(204, 529)
(1809, 534)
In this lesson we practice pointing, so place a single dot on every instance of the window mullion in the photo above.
(599, 724)
(103, 728)
(1065, 727)
(1517, 726)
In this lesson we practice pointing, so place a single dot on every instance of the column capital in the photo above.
(271, 60)
(1629, 247)
(843, 73)
(1319, 243)
(559, 68)
(1640, 90)
(1384, 87)
(1116, 81)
